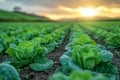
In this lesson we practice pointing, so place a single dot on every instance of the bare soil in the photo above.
(28, 74)
(116, 60)
(3, 57)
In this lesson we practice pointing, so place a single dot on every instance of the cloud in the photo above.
(68, 12)
(58, 9)
(2, 1)
(9, 5)
(68, 3)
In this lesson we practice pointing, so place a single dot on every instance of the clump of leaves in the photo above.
(26, 53)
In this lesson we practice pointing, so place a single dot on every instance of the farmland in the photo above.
(16, 17)
(60, 50)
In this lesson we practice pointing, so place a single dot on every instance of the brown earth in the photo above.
(28, 74)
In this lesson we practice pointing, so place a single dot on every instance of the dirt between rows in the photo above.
(116, 60)
(2, 58)
(28, 74)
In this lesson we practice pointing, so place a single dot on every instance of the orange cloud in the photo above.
(67, 12)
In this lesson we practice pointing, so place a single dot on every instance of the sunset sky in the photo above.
(58, 9)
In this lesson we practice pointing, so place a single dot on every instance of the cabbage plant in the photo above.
(86, 56)
(25, 53)
(8, 72)
(78, 75)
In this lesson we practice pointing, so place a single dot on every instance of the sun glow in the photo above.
(88, 12)
(80, 12)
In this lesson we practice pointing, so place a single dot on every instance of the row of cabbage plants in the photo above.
(19, 32)
(30, 51)
(85, 60)
(108, 33)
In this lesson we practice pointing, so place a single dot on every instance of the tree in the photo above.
(17, 9)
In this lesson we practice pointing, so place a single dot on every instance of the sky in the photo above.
(59, 9)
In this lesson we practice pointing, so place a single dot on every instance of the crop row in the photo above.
(28, 47)
(85, 60)
(107, 33)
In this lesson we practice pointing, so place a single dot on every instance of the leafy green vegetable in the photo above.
(85, 75)
(82, 40)
(100, 35)
(51, 47)
(59, 76)
(86, 56)
(106, 56)
(25, 52)
(77, 75)
(5, 40)
(64, 69)
(101, 47)
(8, 72)
(41, 66)
(68, 46)
(113, 40)
(47, 41)
(64, 60)
(108, 68)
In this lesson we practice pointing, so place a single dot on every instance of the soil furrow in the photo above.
(28, 74)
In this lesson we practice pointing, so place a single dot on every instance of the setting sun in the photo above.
(88, 12)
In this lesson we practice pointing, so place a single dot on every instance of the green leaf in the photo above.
(1, 48)
(86, 56)
(42, 66)
(25, 52)
(77, 75)
(68, 53)
(64, 69)
(101, 47)
(68, 46)
(89, 62)
(11, 51)
(99, 77)
(40, 59)
(74, 66)
(107, 68)
(106, 56)
(13, 46)
(82, 40)
(51, 47)
(59, 76)
(64, 60)
(76, 56)
(44, 50)
(113, 40)
(8, 72)
(111, 76)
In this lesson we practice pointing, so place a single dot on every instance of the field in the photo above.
(60, 50)
(17, 17)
